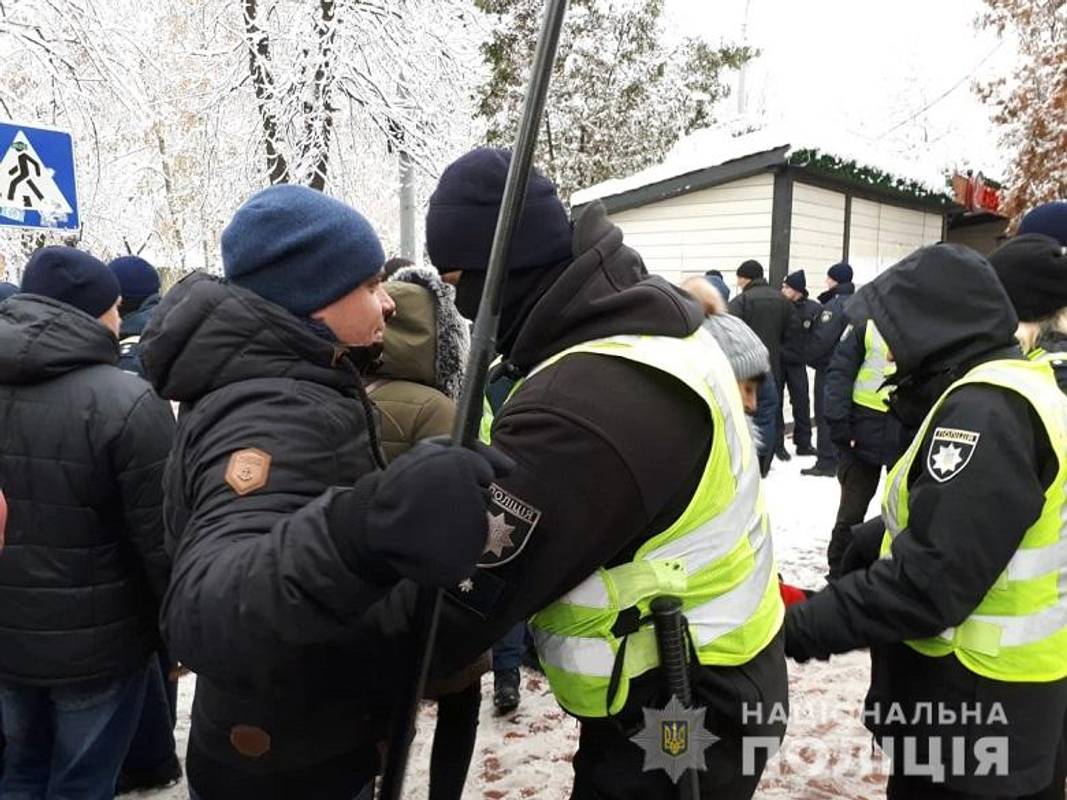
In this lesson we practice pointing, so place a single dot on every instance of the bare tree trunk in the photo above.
(319, 112)
(168, 192)
(263, 81)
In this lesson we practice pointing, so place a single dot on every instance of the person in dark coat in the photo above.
(962, 628)
(866, 435)
(824, 333)
(82, 562)
(794, 368)
(772, 317)
(140, 285)
(1032, 267)
(284, 527)
(608, 453)
(152, 762)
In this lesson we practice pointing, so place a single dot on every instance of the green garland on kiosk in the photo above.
(853, 172)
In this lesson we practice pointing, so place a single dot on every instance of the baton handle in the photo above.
(673, 646)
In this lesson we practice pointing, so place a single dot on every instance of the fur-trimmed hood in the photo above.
(427, 340)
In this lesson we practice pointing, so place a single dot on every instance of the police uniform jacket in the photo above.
(608, 454)
(869, 435)
(965, 523)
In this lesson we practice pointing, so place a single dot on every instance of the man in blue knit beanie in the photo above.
(286, 528)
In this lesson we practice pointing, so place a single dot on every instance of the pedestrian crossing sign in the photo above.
(38, 185)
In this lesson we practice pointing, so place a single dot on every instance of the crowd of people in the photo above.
(246, 476)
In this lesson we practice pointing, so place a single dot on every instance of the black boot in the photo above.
(782, 454)
(820, 471)
(506, 690)
(807, 450)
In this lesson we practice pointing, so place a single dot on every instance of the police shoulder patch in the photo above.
(511, 523)
(950, 452)
(826, 316)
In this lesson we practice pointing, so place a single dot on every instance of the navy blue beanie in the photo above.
(1049, 219)
(137, 278)
(299, 248)
(751, 269)
(714, 277)
(842, 272)
(6, 290)
(797, 281)
(461, 220)
(73, 277)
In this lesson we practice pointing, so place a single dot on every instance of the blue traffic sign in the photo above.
(38, 186)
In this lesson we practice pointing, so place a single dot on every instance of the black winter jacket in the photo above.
(82, 449)
(269, 582)
(828, 325)
(869, 435)
(133, 325)
(796, 341)
(962, 530)
(770, 314)
(610, 453)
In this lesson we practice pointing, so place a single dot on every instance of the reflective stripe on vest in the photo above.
(867, 391)
(1019, 630)
(717, 556)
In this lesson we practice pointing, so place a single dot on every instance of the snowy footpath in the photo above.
(827, 752)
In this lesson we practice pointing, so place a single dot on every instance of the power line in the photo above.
(944, 94)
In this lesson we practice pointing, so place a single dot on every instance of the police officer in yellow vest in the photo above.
(866, 436)
(966, 610)
(1033, 269)
(635, 477)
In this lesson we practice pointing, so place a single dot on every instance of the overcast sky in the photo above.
(867, 67)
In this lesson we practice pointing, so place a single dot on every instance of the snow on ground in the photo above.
(827, 753)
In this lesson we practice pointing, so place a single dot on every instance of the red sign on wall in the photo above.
(974, 193)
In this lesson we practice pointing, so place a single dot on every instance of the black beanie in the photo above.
(1033, 269)
(840, 272)
(797, 281)
(461, 220)
(73, 277)
(751, 269)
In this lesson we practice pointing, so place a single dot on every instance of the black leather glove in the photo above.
(865, 545)
(428, 518)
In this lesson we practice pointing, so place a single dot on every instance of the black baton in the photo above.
(673, 646)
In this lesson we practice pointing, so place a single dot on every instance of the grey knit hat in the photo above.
(746, 353)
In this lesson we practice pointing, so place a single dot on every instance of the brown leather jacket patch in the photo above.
(250, 741)
(248, 470)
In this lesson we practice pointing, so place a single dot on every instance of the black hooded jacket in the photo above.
(962, 529)
(270, 581)
(608, 452)
(82, 449)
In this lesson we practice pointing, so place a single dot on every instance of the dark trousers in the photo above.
(453, 741)
(607, 766)
(795, 378)
(859, 482)
(153, 743)
(68, 741)
(507, 653)
(826, 455)
(767, 412)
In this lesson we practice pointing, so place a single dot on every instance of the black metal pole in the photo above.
(483, 349)
(672, 643)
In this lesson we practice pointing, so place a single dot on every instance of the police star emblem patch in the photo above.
(511, 523)
(674, 739)
(950, 452)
